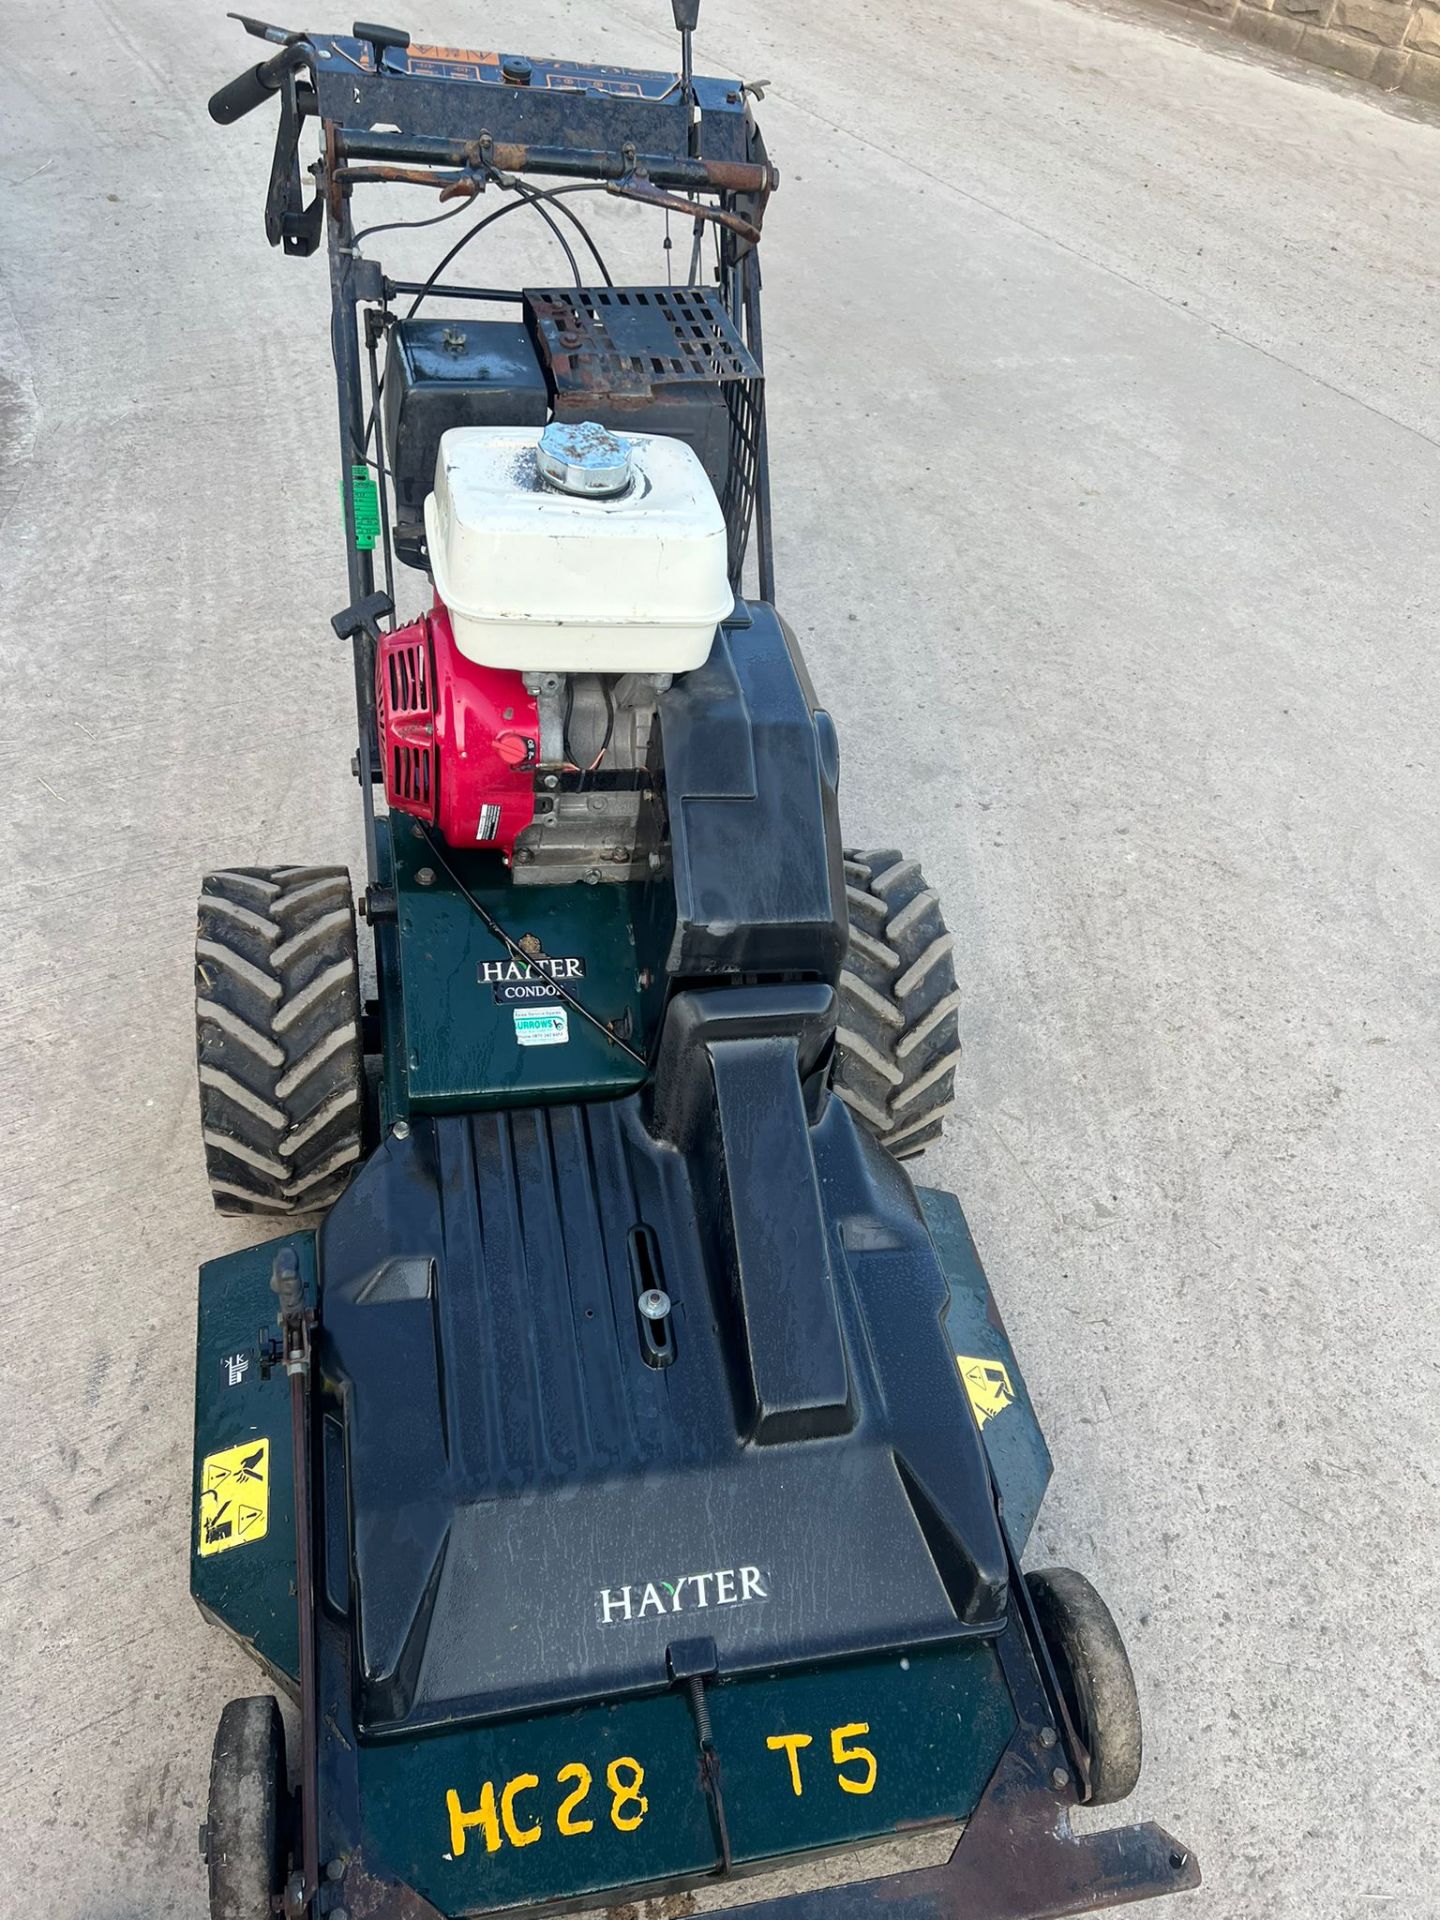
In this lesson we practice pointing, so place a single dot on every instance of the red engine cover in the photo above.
(458, 742)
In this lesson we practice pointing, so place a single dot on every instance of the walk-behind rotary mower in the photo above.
(620, 1463)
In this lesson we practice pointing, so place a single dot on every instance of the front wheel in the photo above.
(247, 1824)
(1094, 1672)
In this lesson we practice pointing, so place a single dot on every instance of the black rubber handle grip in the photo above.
(242, 95)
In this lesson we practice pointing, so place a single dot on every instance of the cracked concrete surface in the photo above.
(1104, 417)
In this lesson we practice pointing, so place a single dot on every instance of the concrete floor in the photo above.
(1104, 416)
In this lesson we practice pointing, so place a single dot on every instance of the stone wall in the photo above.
(1393, 43)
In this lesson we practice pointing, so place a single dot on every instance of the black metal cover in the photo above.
(450, 373)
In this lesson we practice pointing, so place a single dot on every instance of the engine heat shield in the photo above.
(458, 741)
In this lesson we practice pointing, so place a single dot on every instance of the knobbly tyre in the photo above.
(628, 1476)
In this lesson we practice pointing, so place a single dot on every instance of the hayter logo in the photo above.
(726, 1587)
(512, 982)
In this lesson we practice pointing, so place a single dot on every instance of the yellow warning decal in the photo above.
(988, 1385)
(234, 1497)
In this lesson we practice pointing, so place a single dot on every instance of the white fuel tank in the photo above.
(547, 574)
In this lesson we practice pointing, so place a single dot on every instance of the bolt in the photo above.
(1048, 1736)
(619, 855)
(551, 780)
(425, 877)
(1179, 1859)
(597, 803)
(335, 1869)
(654, 1304)
(592, 878)
(645, 976)
(417, 832)
(1060, 1779)
(401, 1129)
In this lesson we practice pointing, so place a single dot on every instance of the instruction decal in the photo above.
(234, 1497)
(988, 1384)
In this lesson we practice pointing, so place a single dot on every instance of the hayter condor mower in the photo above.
(628, 1477)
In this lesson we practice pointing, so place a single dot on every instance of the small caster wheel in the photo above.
(247, 1821)
(1094, 1673)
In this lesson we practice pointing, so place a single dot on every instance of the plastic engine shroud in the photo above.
(459, 742)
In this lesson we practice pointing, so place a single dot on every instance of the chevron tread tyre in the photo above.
(898, 1037)
(278, 1040)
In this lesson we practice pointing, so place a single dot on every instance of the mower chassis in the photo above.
(1018, 1857)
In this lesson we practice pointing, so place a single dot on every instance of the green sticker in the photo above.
(366, 496)
(542, 1026)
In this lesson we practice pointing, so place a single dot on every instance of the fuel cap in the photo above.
(584, 458)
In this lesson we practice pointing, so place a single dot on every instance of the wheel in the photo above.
(277, 1034)
(1093, 1669)
(246, 1824)
(898, 1038)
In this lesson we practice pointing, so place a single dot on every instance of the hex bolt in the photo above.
(335, 1869)
(1048, 1736)
(551, 780)
(417, 832)
(425, 877)
(1060, 1779)
(401, 1129)
(654, 1304)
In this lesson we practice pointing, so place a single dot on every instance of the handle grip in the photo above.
(254, 87)
(241, 96)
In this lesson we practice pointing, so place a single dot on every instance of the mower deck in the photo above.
(506, 1475)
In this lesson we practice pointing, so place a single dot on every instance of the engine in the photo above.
(576, 571)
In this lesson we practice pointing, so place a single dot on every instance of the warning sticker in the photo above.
(542, 1026)
(234, 1497)
(988, 1385)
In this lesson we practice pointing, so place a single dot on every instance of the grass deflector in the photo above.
(622, 1465)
